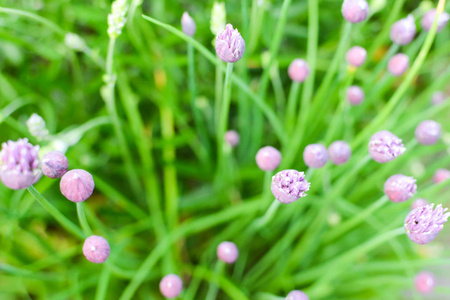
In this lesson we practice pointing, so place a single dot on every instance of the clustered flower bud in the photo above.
(232, 138)
(428, 19)
(399, 188)
(96, 249)
(355, 95)
(355, 11)
(227, 252)
(77, 185)
(297, 295)
(230, 45)
(339, 152)
(36, 126)
(428, 132)
(188, 24)
(289, 186)
(423, 224)
(403, 31)
(356, 56)
(19, 164)
(384, 146)
(315, 156)
(171, 286)
(117, 18)
(398, 64)
(298, 70)
(54, 164)
(268, 158)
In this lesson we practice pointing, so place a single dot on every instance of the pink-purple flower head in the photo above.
(441, 175)
(428, 19)
(339, 152)
(424, 282)
(19, 164)
(188, 24)
(400, 188)
(228, 252)
(96, 249)
(297, 295)
(171, 286)
(398, 64)
(230, 45)
(232, 138)
(438, 97)
(355, 95)
(423, 224)
(268, 158)
(289, 186)
(54, 164)
(403, 31)
(418, 203)
(356, 56)
(355, 11)
(77, 185)
(298, 70)
(428, 132)
(384, 146)
(315, 156)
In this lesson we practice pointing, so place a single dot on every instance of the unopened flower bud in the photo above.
(424, 282)
(428, 19)
(227, 252)
(230, 45)
(423, 224)
(403, 31)
(96, 249)
(268, 158)
(384, 146)
(36, 126)
(77, 185)
(315, 156)
(54, 164)
(188, 24)
(298, 70)
(428, 132)
(297, 295)
(400, 188)
(355, 11)
(339, 152)
(398, 64)
(171, 286)
(289, 186)
(355, 95)
(356, 56)
(232, 138)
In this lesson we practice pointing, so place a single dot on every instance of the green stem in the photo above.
(82, 218)
(103, 282)
(68, 225)
(268, 216)
(292, 105)
(213, 288)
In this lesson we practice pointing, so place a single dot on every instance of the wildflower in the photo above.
(355, 11)
(428, 132)
(418, 203)
(230, 45)
(171, 286)
(19, 164)
(298, 70)
(438, 97)
(227, 252)
(384, 146)
(356, 56)
(36, 126)
(424, 282)
(423, 224)
(74, 42)
(218, 17)
(355, 95)
(441, 175)
(339, 152)
(289, 186)
(268, 158)
(117, 18)
(403, 31)
(297, 295)
(232, 138)
(54, 164)
(315, 156)
(428, 19)
(398, 64)
(77, 185)
(399, 188)
(96, 249)
(188, 24)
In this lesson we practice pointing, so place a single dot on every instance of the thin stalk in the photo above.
(213, 288)
(292, 105)
(103, 282)
(82, 218)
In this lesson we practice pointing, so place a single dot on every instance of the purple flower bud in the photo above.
(339, 152)
(268, 158)
(384, 146)
(96, 249)
(19, 164)
(232, 138)
(171, 286)
(428, 19)
(54, 164)
(438, 97)
(297, 295)
(356, 56)
(188, 24)
(227, 252)
(423, 224)
(77, 185)
(315, 156)
(298, 70)
(398, 64)
(424, 282)
(289, 186)
(355, 11)
(441, 175)
(418, 203)
(399, 188)
(355, 95)
(230, 45)
(428, 132)
(403, 31)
